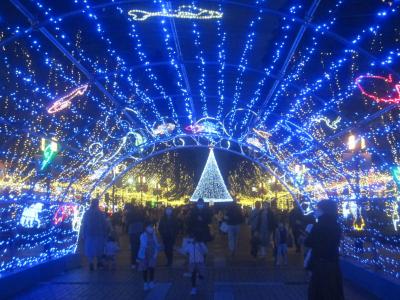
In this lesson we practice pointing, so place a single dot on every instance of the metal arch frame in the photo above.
(288, 58)
(70, 57)
(230, 65)
(132, 165)
(258, 161)
(182, 64)
(38, 25)
(305, 22)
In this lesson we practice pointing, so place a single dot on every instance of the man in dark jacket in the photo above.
(296, 225)
(198, 222)
(135, 219)
(233, 218)
(168, 228)
(324, 238)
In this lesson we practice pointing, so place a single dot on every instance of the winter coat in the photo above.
(135, 221)
(94, 232)
(144, 239)
(326, 278)
(198, 224)
(168, 227)
(234, 215)
(94, 223)
(195, 250)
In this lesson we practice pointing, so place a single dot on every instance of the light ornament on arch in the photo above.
(30, 216)
(262, 147)
(183, 12)
(63, 212)
(163, 129)
(331, 124)
(359, 222)
(255, 142)
(372, 94)
(49, 154)
(66, 101)
(77, 218)
(262, 133)
(349, 208)
(395, 170)
(207, 125)
(292, 132)
(395, 215)
(96, 150)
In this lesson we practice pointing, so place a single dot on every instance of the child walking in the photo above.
(196, 251)
(147, 255)
(281, 237)
(110, 251)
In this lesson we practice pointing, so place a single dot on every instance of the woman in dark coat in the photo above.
(324, 238)
(94, 232)
(168, 228)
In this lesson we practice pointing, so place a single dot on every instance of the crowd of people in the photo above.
(152, 230)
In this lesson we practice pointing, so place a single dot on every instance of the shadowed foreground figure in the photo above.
(324, 238)
(94, 232)
(200, 218)
(168, 228)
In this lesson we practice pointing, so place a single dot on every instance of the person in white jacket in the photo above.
(147, 255)
(196, 250)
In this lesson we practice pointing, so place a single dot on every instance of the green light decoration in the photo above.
(211, 186)
(49, 153)
(395, 170)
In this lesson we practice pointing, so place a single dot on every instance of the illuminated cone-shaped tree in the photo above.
(211, 186)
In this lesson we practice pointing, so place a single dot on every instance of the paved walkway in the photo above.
(227, 279)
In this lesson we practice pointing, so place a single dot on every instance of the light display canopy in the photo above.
(283, 84)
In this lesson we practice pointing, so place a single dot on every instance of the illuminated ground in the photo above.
(241, 278)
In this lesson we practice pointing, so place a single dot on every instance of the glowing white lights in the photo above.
(354, 144)
(164, 129)
(30, 216)
(183, 12)
(349, 209)
(66, 101)
(331, 124)
(207, 125)
(211, 186)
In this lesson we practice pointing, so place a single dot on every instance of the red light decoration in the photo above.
(388, 80)
(66, 101)
(64, 212)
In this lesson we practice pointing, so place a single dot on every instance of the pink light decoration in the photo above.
(66, 101)
(195, 128)
(387, 80)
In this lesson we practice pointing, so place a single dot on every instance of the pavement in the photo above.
(237, 278)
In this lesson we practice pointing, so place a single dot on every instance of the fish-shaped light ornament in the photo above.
(66, 101)
(367, 89)
(183, 12)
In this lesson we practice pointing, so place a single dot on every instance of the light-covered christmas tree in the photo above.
(211, 186)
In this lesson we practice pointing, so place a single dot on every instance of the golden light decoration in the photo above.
(359, 222)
